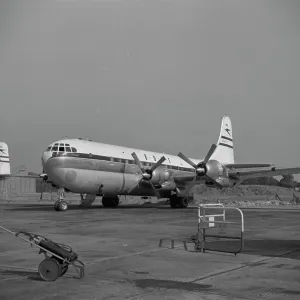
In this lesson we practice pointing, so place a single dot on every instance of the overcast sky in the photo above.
(155, 75)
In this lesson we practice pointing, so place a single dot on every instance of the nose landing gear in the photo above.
(60, 204)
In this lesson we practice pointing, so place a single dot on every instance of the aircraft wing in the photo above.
(187, 181)
(243, 166)
(21, 176)
(246, 174)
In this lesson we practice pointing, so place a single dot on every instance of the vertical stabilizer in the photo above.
(4, 160)
(224, 152)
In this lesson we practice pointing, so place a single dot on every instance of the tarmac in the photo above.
(123, 260)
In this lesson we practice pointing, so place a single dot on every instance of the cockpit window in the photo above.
(60, 147)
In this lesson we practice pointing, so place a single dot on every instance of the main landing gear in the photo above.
(178, 202)
(110, 201)
(60, 204)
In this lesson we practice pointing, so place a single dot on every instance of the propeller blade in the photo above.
(215, 182)
(154, 189)
(137, 161)
(209, 153)
(187, 160)
(157, 164)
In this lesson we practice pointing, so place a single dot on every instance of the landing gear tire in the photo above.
(184, 203)
(174, 201)
(110, 202)
(181, 202)
(60, 206)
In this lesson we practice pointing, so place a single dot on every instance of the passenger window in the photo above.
(74, 149)
(61, 149)
(68, 149)
(154, 158)
(54, 148)
(146, 156)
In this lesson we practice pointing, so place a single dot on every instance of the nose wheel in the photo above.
(60, 204)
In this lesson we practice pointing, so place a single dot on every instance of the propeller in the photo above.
(201, 168)
(147, 173)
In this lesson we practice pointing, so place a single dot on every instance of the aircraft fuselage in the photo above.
(88, 167)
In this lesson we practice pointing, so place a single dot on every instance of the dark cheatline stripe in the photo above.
(115, 160)
(226, 138)
(4, 161)
(225, 145)
(4, 156)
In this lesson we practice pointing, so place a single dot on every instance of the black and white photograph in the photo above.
(149, 150)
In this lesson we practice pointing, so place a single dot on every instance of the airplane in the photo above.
(4, 161)
(94, 169)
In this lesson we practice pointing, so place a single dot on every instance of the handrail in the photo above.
(204, 218)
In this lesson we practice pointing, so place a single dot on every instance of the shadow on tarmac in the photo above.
(261, 247)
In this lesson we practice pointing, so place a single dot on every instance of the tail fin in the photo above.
(224, 152)
(4, 160)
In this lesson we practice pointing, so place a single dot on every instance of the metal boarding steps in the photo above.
(208, 221)
(219, 222)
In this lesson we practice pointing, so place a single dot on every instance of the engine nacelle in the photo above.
(159, 176)
(216, 170)
(168, 186)
(219, 173)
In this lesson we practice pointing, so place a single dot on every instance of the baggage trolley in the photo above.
(58, 257)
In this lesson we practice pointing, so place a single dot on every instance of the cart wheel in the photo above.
(64, 269)
(49, 269)
(197, 247)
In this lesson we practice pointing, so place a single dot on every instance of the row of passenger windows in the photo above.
(155, 158)
(121, 160)
(61, 148)
(149, 164)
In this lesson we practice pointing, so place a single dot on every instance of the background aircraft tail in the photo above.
(224, 152)
(4, 160)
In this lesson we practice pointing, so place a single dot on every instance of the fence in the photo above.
(19, 189)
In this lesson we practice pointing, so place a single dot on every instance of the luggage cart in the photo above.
(58, 257)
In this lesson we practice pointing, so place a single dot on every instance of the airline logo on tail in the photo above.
(228, 130)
